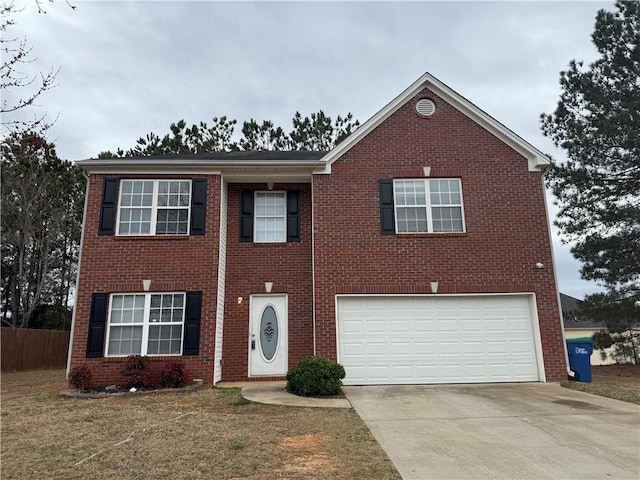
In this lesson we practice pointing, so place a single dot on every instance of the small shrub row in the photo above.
(135, 374)
(315, 376)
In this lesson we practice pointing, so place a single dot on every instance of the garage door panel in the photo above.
(423, 325)
(413, 339)
(447, 325)
(375, 305)
(425, 348)
(376, 349)
(472, 326)
(352, 326)
(378, 372)
(402, 348)
(404, 372)
(376, 326)
(494, 325)
(520, 347)
(400, 326)
(473, 348)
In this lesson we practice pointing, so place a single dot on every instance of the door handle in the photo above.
(253, 342)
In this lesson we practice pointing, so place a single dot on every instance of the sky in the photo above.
(132, 67)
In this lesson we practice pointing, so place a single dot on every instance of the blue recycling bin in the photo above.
(580, 350)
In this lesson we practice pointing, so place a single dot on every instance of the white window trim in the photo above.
(154, 207)
(255, 216)
(145, 324)
(429, 207)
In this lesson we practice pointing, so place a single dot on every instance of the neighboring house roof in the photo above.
(537, 159)
(572, 317)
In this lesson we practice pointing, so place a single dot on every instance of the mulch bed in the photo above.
(120, 391)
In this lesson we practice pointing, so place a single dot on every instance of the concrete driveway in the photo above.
(501, 431)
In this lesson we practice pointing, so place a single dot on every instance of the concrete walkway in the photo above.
(501, 431)
(274, 393)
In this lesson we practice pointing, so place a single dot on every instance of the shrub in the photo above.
(135, 371)
(315, 376)
(173, 375)
(81, 377)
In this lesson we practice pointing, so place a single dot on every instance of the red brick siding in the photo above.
(119, 264)
(506, 224)
(507, 234)
(249, 265)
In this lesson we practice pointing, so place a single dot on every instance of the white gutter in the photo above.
(313, 269)
(570, 372)
(75, 300)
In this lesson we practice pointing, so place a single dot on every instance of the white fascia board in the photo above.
(150, 170)
(537, 160)
(200, 166)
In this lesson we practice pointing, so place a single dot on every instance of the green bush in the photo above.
(315, 376)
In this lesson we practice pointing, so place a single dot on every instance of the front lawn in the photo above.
(621, 382)
(209, 433)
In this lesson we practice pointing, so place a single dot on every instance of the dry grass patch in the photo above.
(209, 433)
(621, 382)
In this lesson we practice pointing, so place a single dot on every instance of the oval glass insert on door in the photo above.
(269, 333)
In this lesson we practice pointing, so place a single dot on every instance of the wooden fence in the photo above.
(28, 349)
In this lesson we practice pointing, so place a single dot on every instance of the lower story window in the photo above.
(145, 324)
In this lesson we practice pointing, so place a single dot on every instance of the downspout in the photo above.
(313, 268)
(570, 372)
(75, 300)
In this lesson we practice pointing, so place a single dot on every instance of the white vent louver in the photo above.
(425, 107)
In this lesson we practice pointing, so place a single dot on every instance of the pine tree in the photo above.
(597, 123)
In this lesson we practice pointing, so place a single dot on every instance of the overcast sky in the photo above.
(131, 67)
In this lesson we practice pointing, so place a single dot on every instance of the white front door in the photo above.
(268, 335)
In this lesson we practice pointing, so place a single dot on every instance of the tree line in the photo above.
(316, 132)
(43, 200)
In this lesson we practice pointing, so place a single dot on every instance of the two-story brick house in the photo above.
(416, 251)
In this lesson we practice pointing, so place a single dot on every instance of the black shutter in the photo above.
(108, 208)
(198, 206)
(387, 220)
(246, 220)
(191, 339)
(97, 324)
(293, 216)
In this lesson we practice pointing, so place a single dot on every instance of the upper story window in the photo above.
(421, 206)
(146, 324)
(154, 207)
(270, 217)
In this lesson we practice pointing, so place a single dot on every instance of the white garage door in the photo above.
(436, 339)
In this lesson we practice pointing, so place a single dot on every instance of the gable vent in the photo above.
(425, 107)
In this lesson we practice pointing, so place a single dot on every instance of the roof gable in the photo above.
(536, 159)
